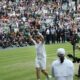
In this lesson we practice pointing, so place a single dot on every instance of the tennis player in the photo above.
(40, 61)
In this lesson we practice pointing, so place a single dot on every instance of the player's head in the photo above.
(61, 54)
(38, 38)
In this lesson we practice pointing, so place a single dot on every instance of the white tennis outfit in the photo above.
(63, 71)
(40, 61)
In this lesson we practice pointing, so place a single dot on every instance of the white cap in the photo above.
(61, 51)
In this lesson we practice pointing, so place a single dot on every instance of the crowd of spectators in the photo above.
(55, 19)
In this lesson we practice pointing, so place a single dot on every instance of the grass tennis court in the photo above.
(19, 63)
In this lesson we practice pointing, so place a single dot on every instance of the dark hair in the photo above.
(61, 59)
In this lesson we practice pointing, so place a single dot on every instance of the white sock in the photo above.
(49, 76)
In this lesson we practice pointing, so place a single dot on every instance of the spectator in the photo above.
(58, 33)
(47, 36)
(18, 15)
(53, 34)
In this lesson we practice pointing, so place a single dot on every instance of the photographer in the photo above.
(62, 68)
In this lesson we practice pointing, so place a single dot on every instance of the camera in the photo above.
(75, 59)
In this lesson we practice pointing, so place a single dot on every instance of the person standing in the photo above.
(62, 68)
(47, 36)
(40, 61)
(58, 33)
(63, 35)
(53, 34)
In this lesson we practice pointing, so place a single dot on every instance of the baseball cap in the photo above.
(61, 51)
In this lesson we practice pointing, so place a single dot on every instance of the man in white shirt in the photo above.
(62, 68)
(40, 61)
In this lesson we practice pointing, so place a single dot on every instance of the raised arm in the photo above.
(30, 37)
(41, 37)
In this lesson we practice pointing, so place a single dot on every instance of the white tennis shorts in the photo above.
(40, 63)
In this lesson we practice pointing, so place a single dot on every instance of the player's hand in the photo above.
(29, 35)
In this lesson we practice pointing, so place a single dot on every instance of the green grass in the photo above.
(19, 63)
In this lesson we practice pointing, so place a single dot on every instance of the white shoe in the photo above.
(49, 77)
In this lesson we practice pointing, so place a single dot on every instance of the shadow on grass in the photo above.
(76, 78)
